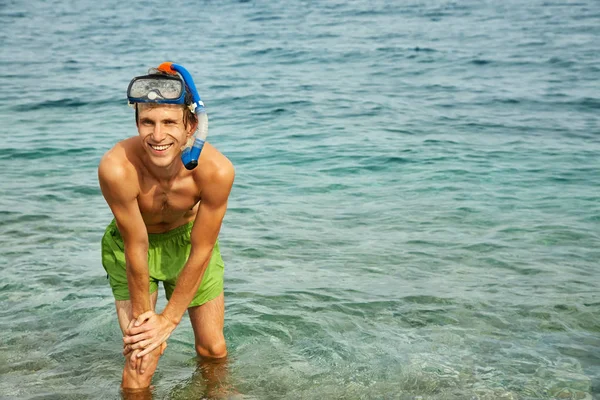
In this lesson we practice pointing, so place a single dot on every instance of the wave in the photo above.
(65, 103)
(45, 152)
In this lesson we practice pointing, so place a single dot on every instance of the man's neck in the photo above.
(164, 175)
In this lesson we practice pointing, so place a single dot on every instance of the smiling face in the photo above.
(163, 132)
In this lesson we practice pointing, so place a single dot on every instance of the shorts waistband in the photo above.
(155, 238)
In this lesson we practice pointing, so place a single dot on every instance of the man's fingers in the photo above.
(140, 345)
(136, 338)
(130, 326)
(144, 361)
(134, 361)
(148, 349)
(143, 317)
(134, 330)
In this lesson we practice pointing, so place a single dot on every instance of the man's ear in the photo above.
(192, 128)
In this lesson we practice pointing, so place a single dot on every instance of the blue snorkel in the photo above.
(191, 153)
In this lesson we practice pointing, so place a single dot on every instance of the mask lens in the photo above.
(153, 89)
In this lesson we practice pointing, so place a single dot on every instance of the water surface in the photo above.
(416, 209)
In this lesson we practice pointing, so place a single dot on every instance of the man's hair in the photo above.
(189, 118)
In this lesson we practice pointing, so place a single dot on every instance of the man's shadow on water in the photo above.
(210, 380)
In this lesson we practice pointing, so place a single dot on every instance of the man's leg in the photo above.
(207, 321)
(132, 379)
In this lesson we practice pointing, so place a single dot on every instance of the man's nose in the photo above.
(158, 134)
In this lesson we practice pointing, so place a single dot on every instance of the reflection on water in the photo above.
(210, 380)
(137, 394)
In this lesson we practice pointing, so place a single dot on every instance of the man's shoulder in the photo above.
(215, 167)
(117, 165)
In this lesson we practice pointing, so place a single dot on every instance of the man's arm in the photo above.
(158, 327)
(203, 237)
(120, 189)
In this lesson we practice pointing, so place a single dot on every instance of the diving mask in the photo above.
(156, 88)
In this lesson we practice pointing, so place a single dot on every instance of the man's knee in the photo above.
(132, 379)
(216, 349)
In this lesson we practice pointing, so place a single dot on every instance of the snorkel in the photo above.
(191, 152)
(167, 85)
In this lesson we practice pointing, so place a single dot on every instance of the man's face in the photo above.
(162, 131)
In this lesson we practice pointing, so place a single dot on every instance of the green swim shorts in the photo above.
(167, 255)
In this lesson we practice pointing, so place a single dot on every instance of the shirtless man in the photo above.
(165, 229)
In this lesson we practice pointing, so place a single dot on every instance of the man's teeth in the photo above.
(160, 148)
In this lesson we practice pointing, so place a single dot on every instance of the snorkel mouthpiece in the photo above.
(191, 153)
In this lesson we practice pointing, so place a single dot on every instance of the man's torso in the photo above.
(164, 205)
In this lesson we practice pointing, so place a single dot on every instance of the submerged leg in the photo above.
(207, 321)
(132, 378)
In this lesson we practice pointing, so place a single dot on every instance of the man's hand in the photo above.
(140, 364)
(146, 333)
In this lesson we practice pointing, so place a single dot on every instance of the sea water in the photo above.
(416, 211)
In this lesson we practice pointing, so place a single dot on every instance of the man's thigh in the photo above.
(208, 320)
(212, 280)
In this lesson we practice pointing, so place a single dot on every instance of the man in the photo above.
(166, 224)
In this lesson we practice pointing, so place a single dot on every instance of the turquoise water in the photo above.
(416, 211)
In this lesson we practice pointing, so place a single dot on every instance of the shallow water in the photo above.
(416, 209)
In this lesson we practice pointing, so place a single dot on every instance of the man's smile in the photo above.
(161, 147)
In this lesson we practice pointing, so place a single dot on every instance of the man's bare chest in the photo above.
(162, 203)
